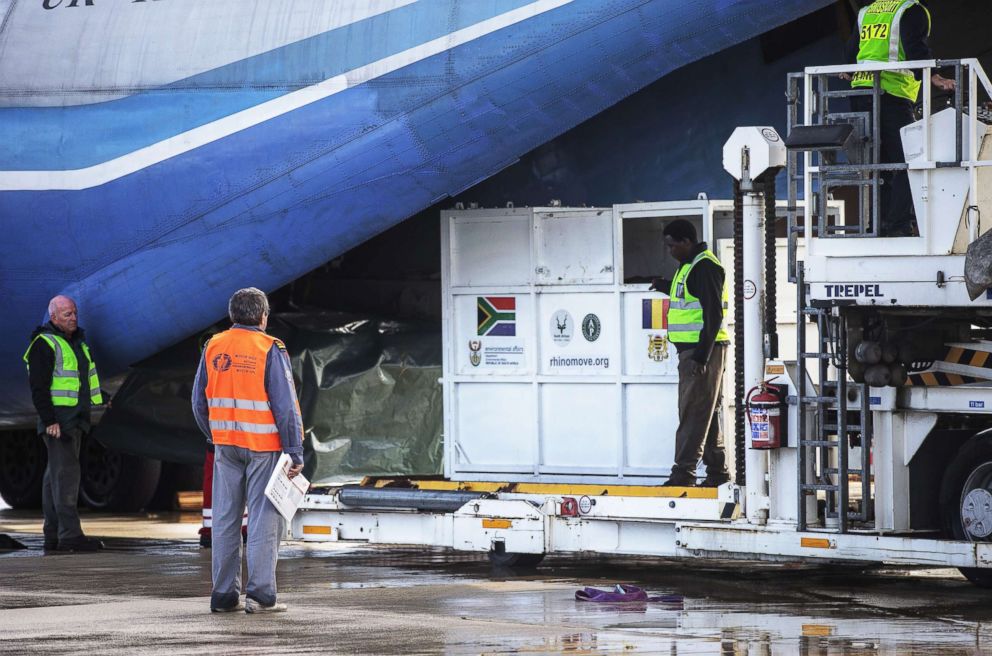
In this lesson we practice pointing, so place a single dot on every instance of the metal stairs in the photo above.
(841, 420)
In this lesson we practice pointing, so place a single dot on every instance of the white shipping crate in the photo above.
(556, 369)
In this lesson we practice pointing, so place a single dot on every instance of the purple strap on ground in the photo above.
(622, 592)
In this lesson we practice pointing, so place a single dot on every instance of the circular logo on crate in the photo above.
(591, 327)
(561, 328)
(585, 505)
(770, 134)
(474, 346)
(749, 289)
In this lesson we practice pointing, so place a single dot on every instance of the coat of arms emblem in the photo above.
(658, 347)
(474, 356)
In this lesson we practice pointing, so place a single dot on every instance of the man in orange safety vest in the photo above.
(245, 402)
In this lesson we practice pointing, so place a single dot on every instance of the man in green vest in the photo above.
(697, 307)
(892, 31)
(64, 386)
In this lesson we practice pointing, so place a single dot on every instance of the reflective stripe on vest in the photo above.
(243, 426)
(878, 32)
(685, 311)
(241, 404)
(239, 410)
(65, 373)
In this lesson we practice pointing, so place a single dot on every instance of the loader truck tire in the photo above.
(505, 560)
(966, 499)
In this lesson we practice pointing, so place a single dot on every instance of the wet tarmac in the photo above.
(148, 593)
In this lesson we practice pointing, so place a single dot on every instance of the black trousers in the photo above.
(895, 200)
(60, 488)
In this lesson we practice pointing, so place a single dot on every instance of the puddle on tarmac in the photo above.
(734, 611)
(722, 616)
(726, 609)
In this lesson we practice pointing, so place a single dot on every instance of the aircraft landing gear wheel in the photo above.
(966, 501)
(115, 481)
(502, 559)
(23, 459)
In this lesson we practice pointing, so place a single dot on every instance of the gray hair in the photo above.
(247, 306)
(53, 305)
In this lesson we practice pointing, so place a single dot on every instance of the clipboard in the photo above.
(286, 494)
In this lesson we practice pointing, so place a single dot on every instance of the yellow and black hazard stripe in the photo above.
(969, 357)
(939, 379)
(955, 358)
(955, 355)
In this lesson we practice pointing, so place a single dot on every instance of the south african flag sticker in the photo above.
(497, 316)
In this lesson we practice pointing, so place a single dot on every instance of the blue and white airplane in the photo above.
(157, 154)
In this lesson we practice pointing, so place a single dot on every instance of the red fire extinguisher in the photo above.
(764, 404)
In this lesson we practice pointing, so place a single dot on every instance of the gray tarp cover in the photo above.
(368, 390)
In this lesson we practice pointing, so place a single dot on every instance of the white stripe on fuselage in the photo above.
(126, 164)
(111, 50)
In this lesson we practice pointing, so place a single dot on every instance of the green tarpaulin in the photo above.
(368, 389)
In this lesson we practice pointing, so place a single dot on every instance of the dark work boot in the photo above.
(80, 544)
(679, 480)
(715, 480)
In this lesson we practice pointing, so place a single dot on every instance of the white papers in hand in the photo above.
(286, 493)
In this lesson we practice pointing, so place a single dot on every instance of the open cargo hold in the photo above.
(368, 392)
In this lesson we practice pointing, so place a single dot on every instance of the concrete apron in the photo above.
(149, 593)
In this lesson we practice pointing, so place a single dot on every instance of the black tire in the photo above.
(504, 560)
(115, 481)
(23, 459)
(969, 473)
(175, 478)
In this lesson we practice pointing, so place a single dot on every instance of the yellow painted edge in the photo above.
(817, 630)
(565, 489)
(316, 530)
(815, 543)
(466, 486)
(616, 490)
(496, 523)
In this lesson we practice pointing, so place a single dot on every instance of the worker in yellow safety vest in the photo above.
(695, 321)
(64, 386)
(892, 31)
